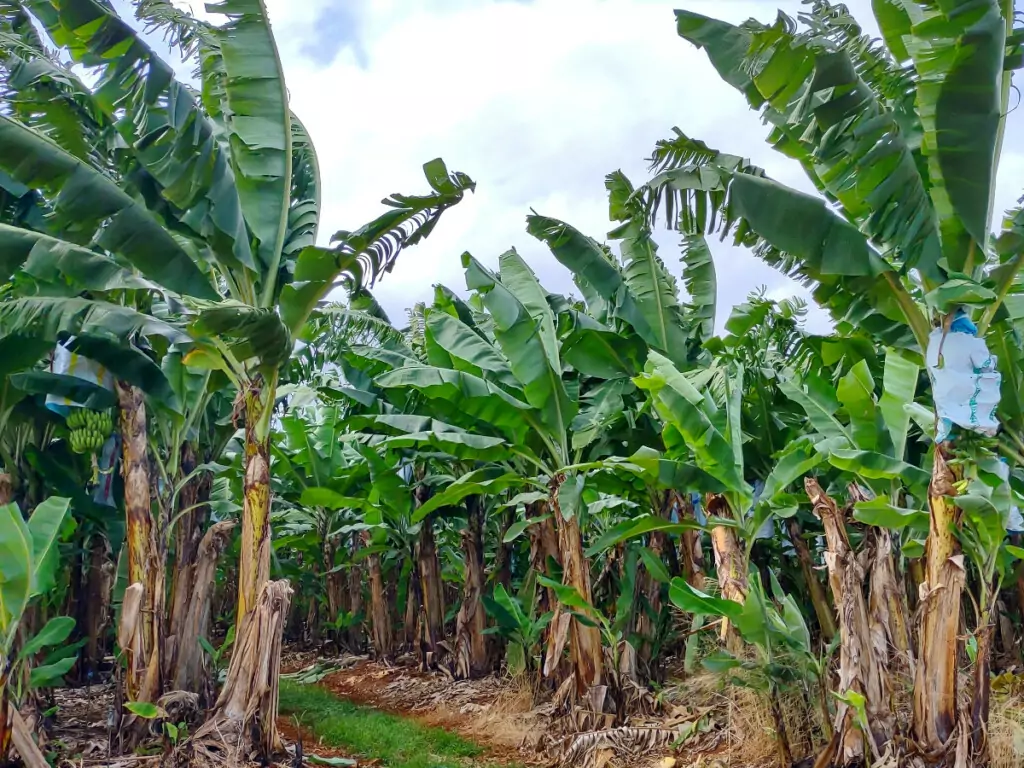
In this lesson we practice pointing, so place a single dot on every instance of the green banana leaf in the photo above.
(520, 338)
(478, 399)
(92, 206)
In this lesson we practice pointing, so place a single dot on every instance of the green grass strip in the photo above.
(369, 734)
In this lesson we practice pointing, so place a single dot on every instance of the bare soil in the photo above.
(495, 714)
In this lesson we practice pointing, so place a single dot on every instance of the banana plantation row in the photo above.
(571, 488)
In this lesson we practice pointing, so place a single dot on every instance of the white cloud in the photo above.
(536, 101)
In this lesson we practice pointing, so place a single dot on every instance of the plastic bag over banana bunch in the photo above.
(92, 432)
(965, 381)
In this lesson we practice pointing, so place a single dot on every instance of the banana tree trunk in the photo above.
(503, 555)
(585, 641)
(355, 593)
(254, 565)
(470, 641)
(647, 615)
(145, 566)
(413, 588)
(337, 595)
(432, 591)
(189, 671)
(935, 684)
(730, 565)
(6, 488)
(887, 605)
(859, 670)
(95, 608)
(672, 503)
(982, 692)
(244, 719)
(380, 616)
(543, 547)
(690, 547)
(822, 610)
(193, 509)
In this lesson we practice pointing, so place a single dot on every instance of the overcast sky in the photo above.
(537, 100)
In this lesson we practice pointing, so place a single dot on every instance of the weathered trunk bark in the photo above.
(982, 692)
(432, 592)
(503, 555)
(935, 687)
(145, 566)
(730, 565)
(647, 615)
(887, 603)
(312, 623)
(254, 565)
(543, 547)
(337, 595)
(690, 548)
(822, 610)
(672, 502)
(859, 670)
(194, 511)
(5, 719)
(21, 737)
(189, 672)
(470, 641)
(6, 488)
(95, 609)
(781, 735)
(410, 618)
(585, 641)
(380, 616)
(244, 720)
(355, 589)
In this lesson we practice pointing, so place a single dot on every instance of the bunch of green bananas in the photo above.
(89, 429)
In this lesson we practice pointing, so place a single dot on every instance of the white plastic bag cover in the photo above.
(71, 364)
(965, 382)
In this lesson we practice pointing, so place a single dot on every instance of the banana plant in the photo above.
(902, 142)
(244, 210)
(214, 196)
(499, 372)
(517, 621)
(29, 552)
(783, 658)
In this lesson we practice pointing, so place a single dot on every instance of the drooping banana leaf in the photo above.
(522, 283)
(48, 318)
(359, 258)
(958, 50)
(586, 259)
(701, 284)
(645, 275)
(798, 234)
(49, 260)
(259, 128)
(477, 399)
(486, 480)
(599, 408)
(159, 118)
(253, 333)
(467, 348)
(91, 207)
(519, 336)
(899, 385)
(692, 423)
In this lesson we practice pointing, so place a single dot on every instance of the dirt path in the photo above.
(491, 713)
